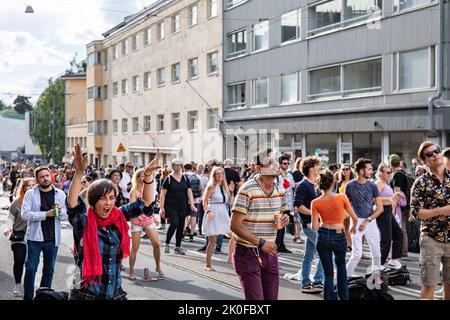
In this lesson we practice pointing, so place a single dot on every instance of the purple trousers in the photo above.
(257, 282)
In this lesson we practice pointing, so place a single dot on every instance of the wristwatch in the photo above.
(261, 243)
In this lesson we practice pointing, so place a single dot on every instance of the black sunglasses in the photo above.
(285, 163)
(435, 151)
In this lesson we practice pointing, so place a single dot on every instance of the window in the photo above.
(290, 26)
(175, 73)
(212, 8)
(289, 88)
(135, 83)
(94, 127)
(134, 42)
(415, 69)
(160, 122)
(124, 47)
(124, 125)
(357, 10)
(193, 68)
(175, 121)
(147, 80)
(212, 119)
(261, 36)
(85, 142)
(400, 5)
(213, 62)
(362, 77)
(105, 92)
(135, 125)
(125, 86)
(115, 52)
(98, 92)
(115, 89)
(115, 126)
(94, 93)
(237, 43)
(147, 123)
(161, 77)
(232, 3)
(236, 95)
(160, 30)
(147, 37)
(93, 58)
(324, 17)
(193, 15)
(192, 120)
(176, 23)
(260, 87)
(105, 127)
(325, 82)
(90, 93)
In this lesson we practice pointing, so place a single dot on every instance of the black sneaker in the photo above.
(318, 286)
(311, 289)
(202, 249)
(191, 238)
(283, 249)
(218, 251)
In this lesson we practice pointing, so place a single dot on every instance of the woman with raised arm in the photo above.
(103, 231)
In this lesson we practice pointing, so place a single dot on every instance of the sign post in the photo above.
(121, 148)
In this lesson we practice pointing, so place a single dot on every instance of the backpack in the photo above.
(195, 185)
(398, 277)
(413, 233)
(358, 290)
(44, 293)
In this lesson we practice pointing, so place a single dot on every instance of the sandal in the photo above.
(132, 277)
(147, 276)
(209, 268)
(161, 275)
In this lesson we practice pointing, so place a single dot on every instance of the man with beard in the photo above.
(43, 208)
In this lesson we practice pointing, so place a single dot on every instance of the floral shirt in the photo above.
(429, 193)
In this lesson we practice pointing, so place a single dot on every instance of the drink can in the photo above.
(55, 211)
(277, 221)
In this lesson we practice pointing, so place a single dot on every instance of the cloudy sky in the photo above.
(36, 47)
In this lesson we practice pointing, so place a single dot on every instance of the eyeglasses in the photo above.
(435, 151)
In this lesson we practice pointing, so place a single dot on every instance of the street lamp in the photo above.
(29, 9)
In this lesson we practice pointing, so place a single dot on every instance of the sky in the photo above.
(38, 46)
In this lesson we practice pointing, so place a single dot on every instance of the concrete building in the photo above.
(340, 79)
(75, 111)
(154, 81)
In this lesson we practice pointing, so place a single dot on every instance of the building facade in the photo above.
(75, 111)
(154, 81)
(339, 79)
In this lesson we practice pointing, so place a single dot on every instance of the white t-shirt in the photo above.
(126, 178)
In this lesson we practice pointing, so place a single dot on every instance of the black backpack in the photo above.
(413, 232)
(397, 277)
(44, 293)
(358, 290)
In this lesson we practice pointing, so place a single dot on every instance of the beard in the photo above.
(45, 184)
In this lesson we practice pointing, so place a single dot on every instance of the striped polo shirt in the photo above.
(259, 210)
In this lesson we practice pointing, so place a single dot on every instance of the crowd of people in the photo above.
(330, 210)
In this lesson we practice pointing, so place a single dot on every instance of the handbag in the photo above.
(17, 236)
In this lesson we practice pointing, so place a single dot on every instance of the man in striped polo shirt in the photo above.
(255, 259)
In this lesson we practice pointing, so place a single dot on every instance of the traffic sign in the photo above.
(121, 148)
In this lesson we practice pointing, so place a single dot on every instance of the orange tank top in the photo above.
(331, 211)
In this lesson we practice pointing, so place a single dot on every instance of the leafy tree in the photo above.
(42, 120)
(76, 67)
(22, 104)
(3, 105)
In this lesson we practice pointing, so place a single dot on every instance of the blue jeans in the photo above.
(219, 242)
(34, 249)
(330, 242)
(310, 251)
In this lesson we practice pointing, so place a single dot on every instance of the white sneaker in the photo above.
(167, 249)
(17, 290)
(395, 264)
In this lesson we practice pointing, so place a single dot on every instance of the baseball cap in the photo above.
(394, 159)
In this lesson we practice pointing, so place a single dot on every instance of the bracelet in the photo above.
(149, 182)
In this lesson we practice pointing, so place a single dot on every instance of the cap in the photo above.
(394, 160)
(177, 162)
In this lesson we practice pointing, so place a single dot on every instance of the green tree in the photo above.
(3, 105)
(76, 67)
(22, 104)
(42, 120)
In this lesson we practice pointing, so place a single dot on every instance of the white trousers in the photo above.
(372, 235)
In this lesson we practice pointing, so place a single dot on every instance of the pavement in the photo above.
(186, 278)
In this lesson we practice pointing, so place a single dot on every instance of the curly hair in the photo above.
(308, 163)
(325, 180)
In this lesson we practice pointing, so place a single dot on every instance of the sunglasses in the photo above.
(435, 151)
(345, 169)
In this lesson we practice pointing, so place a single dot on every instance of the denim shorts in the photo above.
(138, 228)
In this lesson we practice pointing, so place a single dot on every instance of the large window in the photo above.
(193, 68)
(160, 30)
(212, 118)
(260, 89)
(289, 88)
(115, 89)
(115, 126)
(161, 77)
(193, 15)
(324, 82)
(147, 37)
(357, 10)
(147, 80)
(362, 77)
(94, 58)
(147, 123)
(134, 41)
(115, 51)
(176, 23)
(135, 124)
(176, 73)
(212, 8)
(236, 95)
(324, 16)
(231, 3)
(135, 83)
(261, 36)
(124, 47)
(414, 69)
(237, 43)
(124, 125)
(94, 127)
(290, 26)
(407, 4)
(160, 122)
(192, 120)
(322, 146)
(405, 144)
(213, 62)
(175, 121)
(125, 86)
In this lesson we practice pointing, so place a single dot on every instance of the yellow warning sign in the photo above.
(121, 148)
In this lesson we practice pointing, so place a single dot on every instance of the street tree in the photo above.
(42, 120)
(22, 104)
(3, 105)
